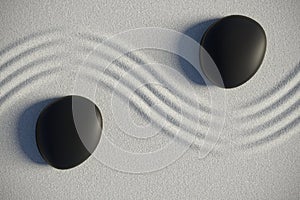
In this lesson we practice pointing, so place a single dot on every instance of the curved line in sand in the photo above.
(274, 120)
(25, 83)
(24, 68)
(279, 102)
(277, 88)
(133, 56)
(274, 136)
(28, 38)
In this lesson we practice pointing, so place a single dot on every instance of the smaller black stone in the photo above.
(63, 141)
(237, 45)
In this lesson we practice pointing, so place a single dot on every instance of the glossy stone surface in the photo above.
(237, 45)
(68, 131)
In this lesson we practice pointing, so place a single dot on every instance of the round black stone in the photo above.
(237, 45)
(68, 131)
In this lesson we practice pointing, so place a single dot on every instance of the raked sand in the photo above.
(162, 138)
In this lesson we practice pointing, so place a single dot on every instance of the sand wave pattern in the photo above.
(272, 117)
(42, 56)
(148, 88)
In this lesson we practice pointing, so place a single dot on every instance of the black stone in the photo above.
(68, 131)
(237, 45)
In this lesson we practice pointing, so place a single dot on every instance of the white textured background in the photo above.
(262, 165)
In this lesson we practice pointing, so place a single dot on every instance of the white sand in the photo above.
(257, 155)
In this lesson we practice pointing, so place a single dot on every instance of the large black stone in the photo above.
(68, 131)
(237, 45)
